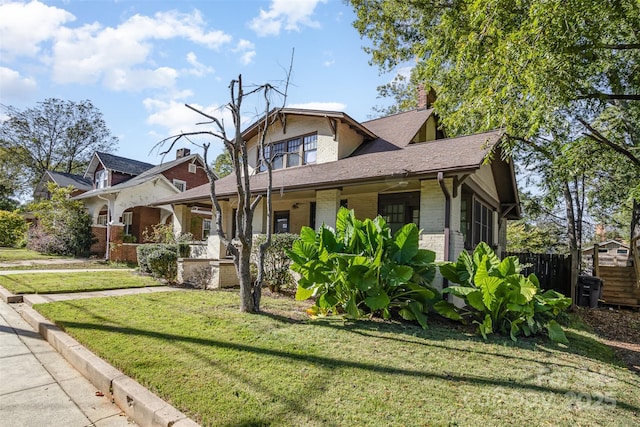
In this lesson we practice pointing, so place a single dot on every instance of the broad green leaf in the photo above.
(304, 294)
(399, 275)
(406, 240)
(417, 310)
(308, 235)
(448, 310)
(489, 286)
(475, 300)
(377, 302)
(352, 309)
(449, 271)
(304, 251)
(556, 333)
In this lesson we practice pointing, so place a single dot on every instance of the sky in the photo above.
(139, 62)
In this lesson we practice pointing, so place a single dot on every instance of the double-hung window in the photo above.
(206, 228)
(310, 148)
(101, 178)
(127, 220)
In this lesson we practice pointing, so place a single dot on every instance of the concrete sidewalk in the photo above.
(38, 387)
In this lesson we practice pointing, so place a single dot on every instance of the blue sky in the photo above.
(139, 62)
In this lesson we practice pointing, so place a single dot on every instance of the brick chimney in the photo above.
(182, 152)
(422, 97)
(425, 99)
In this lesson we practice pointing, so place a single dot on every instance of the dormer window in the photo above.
(101, 178)
(296, 151)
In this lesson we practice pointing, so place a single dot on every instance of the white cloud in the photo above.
(122, 57)
(24, 26)
(198, 68)
(15, 86)
(285, 14)
(246, 50)
(176, 118)
(329, 106)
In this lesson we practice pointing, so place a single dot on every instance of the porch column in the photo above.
(259, 223)
(181, 219)
(327, 205)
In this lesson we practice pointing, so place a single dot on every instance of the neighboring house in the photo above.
(124, 189)
(399, 166)
(610, 253)
(78, 182)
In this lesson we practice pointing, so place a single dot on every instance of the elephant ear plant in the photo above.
(499, 298)
(361, 269)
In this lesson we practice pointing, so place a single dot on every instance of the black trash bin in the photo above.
(589, 291)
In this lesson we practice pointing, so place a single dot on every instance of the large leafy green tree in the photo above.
(555, 75)
(62, 225)
(54, 135)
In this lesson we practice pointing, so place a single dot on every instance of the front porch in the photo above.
(451, 215)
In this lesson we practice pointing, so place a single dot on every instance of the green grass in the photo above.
(53, 283)
(75, 265)
(226, 368)
(14, 254)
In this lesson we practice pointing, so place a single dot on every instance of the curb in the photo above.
(8, 297)
(141, 405)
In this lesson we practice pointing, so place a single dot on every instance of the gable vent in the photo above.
(192, 167)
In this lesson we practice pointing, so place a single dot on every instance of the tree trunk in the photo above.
(243, 268)
(573, 240)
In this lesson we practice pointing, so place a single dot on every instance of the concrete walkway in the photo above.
(32, 299)
(39, 388)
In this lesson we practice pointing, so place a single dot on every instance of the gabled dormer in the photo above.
(298, 137)
(106, 170)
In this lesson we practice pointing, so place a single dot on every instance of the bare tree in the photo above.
(240, 245)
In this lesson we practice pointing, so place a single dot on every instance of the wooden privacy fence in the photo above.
(553, 271)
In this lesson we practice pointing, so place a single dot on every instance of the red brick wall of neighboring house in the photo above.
(196, 225)
(119, 251)
(100, 247)
(117, 178)
(143, 219)
(182, 173)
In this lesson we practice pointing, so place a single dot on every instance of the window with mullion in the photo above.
(293, 152)
(310, 148)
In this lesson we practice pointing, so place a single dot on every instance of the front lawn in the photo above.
(15, 254)
(54, 283)
(226, 368)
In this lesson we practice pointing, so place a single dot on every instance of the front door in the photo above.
(281, 222)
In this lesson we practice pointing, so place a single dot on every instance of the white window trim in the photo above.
(178, 182)
(102, 178)
(193, 168)
(127, 220)
(102, 220)
(204, 228)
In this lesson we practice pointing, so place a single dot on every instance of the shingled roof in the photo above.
(147, 175)
(462, 154)
(116, 164)
(66, 179)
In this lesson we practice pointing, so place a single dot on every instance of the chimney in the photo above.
(422, 97)
(426, 99)
(182, 152)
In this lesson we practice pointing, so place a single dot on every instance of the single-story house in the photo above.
(79, 183)
(610, 253)
(400, 166)
(123, 191)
